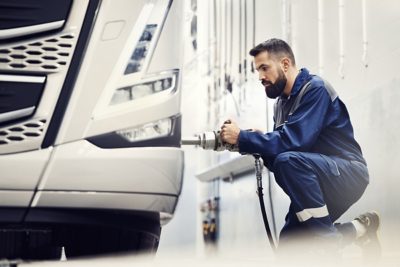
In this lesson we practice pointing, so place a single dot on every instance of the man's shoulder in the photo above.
(318, 83)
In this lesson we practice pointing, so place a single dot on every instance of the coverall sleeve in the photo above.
(299, 133)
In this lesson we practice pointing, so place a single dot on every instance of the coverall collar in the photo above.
(301, 79)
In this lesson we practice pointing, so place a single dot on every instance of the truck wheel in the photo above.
(88, 240)
(28, 243)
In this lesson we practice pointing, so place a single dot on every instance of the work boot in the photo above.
(369, 242)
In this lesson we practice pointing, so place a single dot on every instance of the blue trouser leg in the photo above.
(320, 188)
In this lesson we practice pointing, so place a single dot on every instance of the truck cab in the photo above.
(90, 125)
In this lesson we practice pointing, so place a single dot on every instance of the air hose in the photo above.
(212, 141)
(260, 194)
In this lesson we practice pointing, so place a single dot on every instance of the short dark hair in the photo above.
(276, 47)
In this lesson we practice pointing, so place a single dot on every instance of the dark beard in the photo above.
(273, 90)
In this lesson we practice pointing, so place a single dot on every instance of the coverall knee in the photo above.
(321, 188)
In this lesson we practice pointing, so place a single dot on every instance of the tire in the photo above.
(28, 243)
(88, 241)
(135, 233)
(81, 233)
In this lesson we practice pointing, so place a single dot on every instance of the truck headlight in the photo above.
(156, 129)
(139, 54)
(160, 82)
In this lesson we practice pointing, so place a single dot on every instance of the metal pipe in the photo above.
(245, 42)
(321, 37)
(253, 43)
(341, 39)
(231, 40)
(287, 21)
(364, 33)
(240, 52)
(194, 140)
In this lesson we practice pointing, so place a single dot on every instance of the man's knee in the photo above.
(285, 160)
(290, 166)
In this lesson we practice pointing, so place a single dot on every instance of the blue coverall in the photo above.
(313, 155)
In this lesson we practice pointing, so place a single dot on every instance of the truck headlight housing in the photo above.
(156, 83)
(138, 56)
(156, 129)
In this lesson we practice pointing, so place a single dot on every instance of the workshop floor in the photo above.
(351, 256)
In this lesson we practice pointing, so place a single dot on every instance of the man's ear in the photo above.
(285, 63)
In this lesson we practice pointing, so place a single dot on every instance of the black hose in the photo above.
(261, 198)
(265, 219)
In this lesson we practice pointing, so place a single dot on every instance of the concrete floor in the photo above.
(351, 256)
(257, 253)
(232, 261)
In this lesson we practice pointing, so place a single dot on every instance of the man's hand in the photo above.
(230, 132)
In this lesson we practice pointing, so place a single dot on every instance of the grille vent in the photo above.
(48, 55)
(20, 132)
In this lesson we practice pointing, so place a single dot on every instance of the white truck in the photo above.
(90, 125)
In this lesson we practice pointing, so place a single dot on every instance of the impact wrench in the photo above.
(212, 141)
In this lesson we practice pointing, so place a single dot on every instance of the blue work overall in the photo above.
(313, 155)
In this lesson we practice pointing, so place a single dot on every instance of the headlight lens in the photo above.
(160, 128)
(139, 54)
(136, 91)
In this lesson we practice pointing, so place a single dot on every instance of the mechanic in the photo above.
(311, 151)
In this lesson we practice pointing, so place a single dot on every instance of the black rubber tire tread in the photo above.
(28, 244)
(87, 241)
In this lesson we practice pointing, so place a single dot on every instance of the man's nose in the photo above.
(261, 76)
